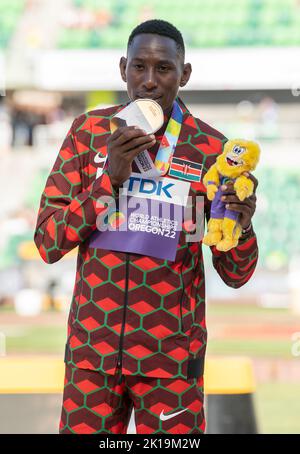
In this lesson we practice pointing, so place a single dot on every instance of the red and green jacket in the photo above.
(129, 313)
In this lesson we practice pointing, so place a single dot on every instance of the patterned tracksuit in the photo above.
(136, 328)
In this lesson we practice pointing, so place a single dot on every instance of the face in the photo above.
(238, 156)
(154, 69)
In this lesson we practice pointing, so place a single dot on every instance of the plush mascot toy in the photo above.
(223, 229)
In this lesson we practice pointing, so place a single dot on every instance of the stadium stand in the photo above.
(278, 215)
(10, 13)
(106, 24)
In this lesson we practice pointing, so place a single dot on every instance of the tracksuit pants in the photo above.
(95, 403)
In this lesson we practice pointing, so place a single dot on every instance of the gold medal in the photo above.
(144, 113)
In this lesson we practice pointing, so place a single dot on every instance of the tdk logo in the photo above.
(163, 189)
(147, 186)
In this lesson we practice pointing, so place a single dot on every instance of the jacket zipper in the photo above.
(182, 293)
(119, 362)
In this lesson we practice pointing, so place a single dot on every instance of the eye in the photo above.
(163, 68)
(138, 66)
(238, 150)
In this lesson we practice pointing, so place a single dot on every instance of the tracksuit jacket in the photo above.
(132, 314)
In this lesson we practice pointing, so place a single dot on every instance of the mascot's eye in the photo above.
(238, 150)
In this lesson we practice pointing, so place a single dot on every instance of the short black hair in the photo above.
(159, 27)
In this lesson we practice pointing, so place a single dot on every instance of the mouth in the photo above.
(154, 98)
(233, 163)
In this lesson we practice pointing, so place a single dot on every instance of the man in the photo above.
(136, 327)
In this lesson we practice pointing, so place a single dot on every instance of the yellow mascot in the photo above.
(223, 229)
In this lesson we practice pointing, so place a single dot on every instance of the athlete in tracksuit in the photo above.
(136, 332)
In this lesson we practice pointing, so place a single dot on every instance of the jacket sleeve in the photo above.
(236, 266)
(68, 213)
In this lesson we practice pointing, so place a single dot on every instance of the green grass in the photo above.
(278, 408)
(244, 309)
(226, 315)
(250, 347)
(36, 339)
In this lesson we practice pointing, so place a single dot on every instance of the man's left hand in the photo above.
(247, 207)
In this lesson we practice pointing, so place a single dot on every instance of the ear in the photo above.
(122, 65)
(186, 74)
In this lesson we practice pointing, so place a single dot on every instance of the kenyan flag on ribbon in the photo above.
(187, 170)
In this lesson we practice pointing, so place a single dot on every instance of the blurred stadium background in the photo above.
(59, 59)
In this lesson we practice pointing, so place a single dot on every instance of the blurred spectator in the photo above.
(268, 118)
(146, 13)
(246, 117)
(5, 128)
(23, 123)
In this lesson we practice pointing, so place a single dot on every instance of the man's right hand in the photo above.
(122, 147)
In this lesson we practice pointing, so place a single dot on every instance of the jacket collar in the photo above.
(184, 108)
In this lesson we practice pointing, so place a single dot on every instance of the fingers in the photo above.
(119, 131)
(242, 208)
(252, 177)
(135, 151)
(125, 134)
(145, 142)
(244, 219)
(231, 191)
(249, 201)
(230, 187)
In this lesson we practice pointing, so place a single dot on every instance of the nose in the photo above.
(150, 79)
